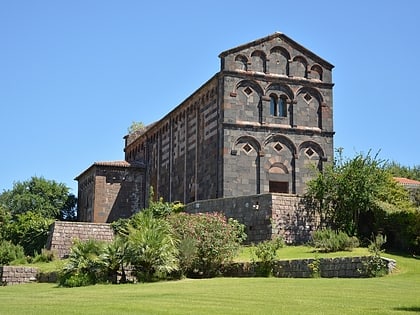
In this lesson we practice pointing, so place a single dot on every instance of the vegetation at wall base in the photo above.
(266, 255)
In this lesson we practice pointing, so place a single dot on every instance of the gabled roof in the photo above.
(287, 39)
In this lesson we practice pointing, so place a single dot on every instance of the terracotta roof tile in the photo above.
(407, 181)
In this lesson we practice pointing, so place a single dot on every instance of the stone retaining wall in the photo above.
(17, 274)
(265, 216)
(62, 235)
(343, 267)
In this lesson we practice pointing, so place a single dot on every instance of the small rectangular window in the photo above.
(279, 187)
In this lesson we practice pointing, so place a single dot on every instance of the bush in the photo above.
(403, 231)
(10, 252)
(85, 265)
(327, 240)
(375, 265)
(207, 240)
(30, 229)
(44, 256)
(152, 249)
(266, 253)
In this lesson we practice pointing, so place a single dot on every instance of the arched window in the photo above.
(278, 106)
(274, 111)
(282, 107)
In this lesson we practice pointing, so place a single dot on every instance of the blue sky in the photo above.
(75, 74)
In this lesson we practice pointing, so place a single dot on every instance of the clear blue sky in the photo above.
(75, 74)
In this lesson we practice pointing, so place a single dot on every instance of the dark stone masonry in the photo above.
(259, 126)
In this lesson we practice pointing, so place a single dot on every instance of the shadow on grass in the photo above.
(415, 309)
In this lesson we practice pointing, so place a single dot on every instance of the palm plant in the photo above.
(115, 259)
(152, 247)
(85, 265)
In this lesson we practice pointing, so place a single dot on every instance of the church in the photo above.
(259, 126)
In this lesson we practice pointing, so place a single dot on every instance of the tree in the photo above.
(399, 170)
(353, 195)
(30, 230)
(135, 126)
(38, 195)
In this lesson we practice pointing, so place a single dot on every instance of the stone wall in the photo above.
(62, 234)
(17, 275)
(342, 267)
(264, 216)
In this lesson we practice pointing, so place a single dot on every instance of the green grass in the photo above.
(395, 294)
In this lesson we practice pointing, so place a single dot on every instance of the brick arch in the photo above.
(308, 110)
(241, 140)
(279, 61)
(254, 85)
(316, 72)
(313, 92)
(281, 139)
(280, 88)
(280, 166)
(314, 146)
(241, 62)
(300, 67)
(251, 160)
(311, 157)
(258, 61)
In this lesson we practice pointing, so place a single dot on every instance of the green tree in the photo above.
(5, 220)
(30, 230)
(399, 170)
(38, 195)
(135, 126)
(353, 195)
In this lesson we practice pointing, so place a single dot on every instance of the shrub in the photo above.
(44, 256)
(327, 240)
(116, 259)
(85, 265)
(266, 253)
(152, 248)
(403, 231)
(10, 252)
(375, 266)
(207, 240)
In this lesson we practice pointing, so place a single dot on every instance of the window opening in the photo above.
(247, 148)
(282, 107)
(278, 147)
(248, 91)
(273, 106)
(279, 187)
(307, 97)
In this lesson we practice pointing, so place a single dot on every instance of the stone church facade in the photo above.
(260, 125)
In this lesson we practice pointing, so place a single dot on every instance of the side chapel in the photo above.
(258, 126)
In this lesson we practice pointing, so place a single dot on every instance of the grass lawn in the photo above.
(398, 293)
